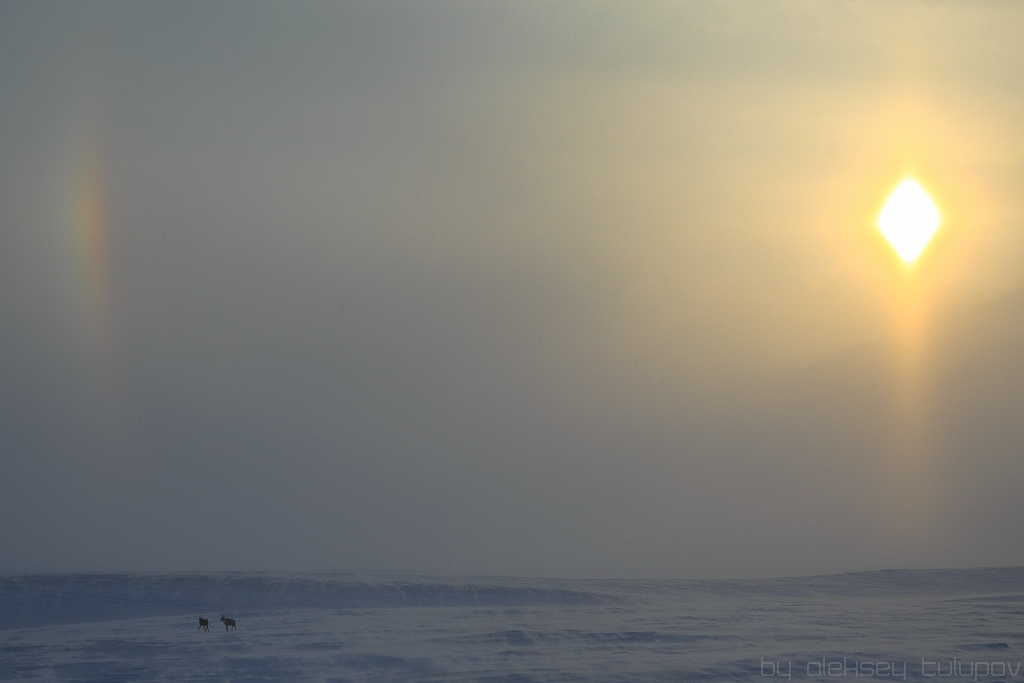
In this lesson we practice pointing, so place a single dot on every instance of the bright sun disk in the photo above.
(909, 219)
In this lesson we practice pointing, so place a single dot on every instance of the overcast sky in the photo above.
(573, 288)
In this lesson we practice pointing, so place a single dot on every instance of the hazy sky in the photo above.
(570, 288)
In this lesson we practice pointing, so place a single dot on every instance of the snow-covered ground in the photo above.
(964, 625)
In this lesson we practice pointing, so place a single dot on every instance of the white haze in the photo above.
(559, 289)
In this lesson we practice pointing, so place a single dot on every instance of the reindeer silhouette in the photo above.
(229, 624)
(204, 624)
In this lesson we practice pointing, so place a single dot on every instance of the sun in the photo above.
(909, 219)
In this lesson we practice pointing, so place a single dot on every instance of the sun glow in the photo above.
(909, 219)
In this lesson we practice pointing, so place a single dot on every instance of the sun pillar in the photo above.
(908, 220)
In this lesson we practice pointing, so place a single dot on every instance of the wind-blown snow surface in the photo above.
(963, 625)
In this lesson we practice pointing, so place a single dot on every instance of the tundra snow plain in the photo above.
(905, 625)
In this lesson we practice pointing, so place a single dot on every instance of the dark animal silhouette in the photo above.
(204, 624)
(229, 624)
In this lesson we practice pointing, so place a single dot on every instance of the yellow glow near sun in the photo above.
(909, 219)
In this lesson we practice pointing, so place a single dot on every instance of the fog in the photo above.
(508, 288)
